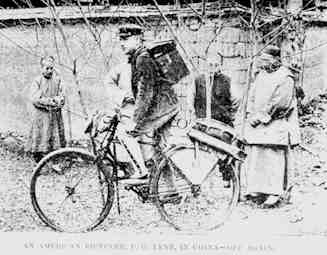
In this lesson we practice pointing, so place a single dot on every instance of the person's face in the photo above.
(265, 60)
(47, 69)
(214, 66)
(130, 43)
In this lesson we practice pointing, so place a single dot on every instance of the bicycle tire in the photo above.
(81, 158)
(173, 211)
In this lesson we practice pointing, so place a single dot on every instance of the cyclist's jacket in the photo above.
(155, 100)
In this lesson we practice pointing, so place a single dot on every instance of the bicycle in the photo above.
(88, 182)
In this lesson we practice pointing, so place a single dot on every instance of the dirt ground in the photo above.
(303, 215)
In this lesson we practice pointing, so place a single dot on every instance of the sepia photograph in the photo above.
(163, 126)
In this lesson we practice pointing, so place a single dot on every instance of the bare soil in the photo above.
(304, 214)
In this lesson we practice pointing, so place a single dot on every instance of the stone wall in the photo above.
(22, 46)
(315, 75)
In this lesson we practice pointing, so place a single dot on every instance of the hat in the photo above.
(272, 50)
(44, 59)
(128, 30)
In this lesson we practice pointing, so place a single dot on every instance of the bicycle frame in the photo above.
(112, 138)
(108, 152)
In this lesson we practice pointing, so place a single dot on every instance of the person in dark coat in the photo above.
(221, 101)
(222, 107)
(156, 102)
(46, 94)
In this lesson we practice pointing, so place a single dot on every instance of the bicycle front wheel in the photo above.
(187, 203)
(69, 192)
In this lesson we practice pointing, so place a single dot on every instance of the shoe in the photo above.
(271, 202)
(256, 198)
(251, 196)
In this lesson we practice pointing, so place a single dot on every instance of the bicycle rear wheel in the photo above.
(69, 192)
(187, 203)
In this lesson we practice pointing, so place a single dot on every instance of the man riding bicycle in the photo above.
(150, 100)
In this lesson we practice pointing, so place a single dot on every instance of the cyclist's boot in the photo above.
(140, 174)
(150, 166)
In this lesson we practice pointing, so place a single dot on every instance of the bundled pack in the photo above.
(170, 63)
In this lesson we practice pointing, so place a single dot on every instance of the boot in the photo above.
(139, 174)
(271, 202)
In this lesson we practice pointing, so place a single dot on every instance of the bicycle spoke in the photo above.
(195, 206)
(86, 210)
(58, 209)
(90, 191)
(80, 179)
(75, 199)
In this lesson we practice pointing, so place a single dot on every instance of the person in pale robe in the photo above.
(271, 128)
(47, 131)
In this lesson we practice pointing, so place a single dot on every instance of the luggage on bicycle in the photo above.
(218, 136)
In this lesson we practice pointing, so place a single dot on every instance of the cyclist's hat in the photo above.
(128, 30)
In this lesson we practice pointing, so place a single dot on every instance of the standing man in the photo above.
(271, 126)
(155, 99)
(222, 108)
(47, 131)
(221, 100)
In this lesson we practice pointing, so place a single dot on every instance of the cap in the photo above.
(128, 30)
(44, 59)
(272, 50)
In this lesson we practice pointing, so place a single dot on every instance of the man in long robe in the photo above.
(47, 130)
(271, 127)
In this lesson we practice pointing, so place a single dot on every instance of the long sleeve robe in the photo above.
(47, 130)
(272, 101)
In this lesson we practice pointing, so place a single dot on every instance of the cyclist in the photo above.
(153, 101)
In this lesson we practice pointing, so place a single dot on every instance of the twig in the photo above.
(254, 13)
(272, 32)
(217, 32)
(52, 8)
(271, 40)
(305, 148)
(195, 12)
(175, 36)
(95, 36)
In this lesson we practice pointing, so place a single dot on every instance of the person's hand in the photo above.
(102, 121)
(130, 127)
(51, 104)
(127, 100)
(60, 101)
